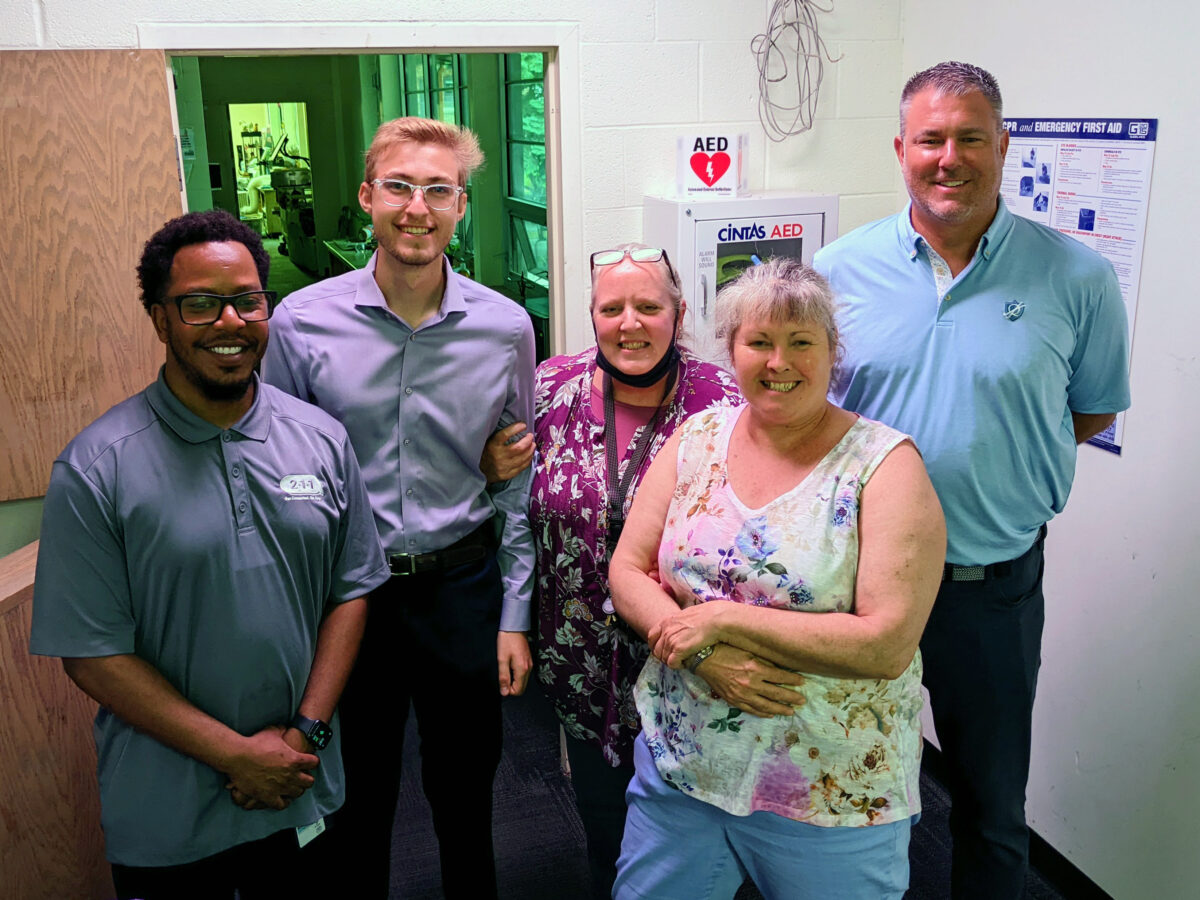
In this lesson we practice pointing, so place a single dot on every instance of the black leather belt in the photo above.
(469, 549)
(951, 572)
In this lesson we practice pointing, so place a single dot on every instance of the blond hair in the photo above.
(460, 141)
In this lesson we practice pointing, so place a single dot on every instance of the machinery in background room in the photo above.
(293, 192)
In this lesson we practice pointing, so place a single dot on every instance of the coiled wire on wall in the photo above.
(791, 64)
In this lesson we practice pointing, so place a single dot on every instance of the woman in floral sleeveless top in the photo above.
(799, 549)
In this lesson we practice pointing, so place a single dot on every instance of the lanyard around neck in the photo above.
(619, 489)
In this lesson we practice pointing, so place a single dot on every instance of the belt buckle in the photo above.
(402, 564)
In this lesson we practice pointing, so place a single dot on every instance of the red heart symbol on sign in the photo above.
(709, 169)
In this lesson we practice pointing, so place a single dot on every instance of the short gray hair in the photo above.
(957, 79)
(780, 290)
(670, 275)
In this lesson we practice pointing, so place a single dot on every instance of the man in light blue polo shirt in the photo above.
(998, 344)
(206, 548)
(422, 365)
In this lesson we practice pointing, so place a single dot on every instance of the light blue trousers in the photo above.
(679, 848)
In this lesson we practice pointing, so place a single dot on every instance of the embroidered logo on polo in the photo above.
(1013, 310)
(302, 487)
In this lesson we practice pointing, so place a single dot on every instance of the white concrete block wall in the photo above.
(728, 82)
(838, 156)
(82, 24)
(640, 83)
(871, 20)
(621, 22)
(607, 228)
(603, 169)
(22, 24)
(859, 209)
(867, 86)
(709, 20)
(649, 162)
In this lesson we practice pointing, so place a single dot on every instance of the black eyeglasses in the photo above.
(204, 309)
(399, 193)
(638, 255)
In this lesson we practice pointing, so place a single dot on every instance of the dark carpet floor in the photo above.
(285, 275)
(539, 841)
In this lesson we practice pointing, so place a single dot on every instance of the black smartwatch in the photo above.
(317, 732)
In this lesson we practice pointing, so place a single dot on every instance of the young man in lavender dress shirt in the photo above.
(422, 365)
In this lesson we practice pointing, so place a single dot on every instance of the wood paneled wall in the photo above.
(88, 172)
(51, 846)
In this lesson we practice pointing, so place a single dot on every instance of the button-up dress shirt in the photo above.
(419, 405)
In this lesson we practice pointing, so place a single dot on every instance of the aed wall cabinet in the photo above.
(712, 241)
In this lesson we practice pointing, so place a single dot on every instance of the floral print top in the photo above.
(850, 755)
(588, 659)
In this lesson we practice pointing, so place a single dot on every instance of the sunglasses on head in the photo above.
(638, 255)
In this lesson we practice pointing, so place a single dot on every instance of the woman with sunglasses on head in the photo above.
(601, 416)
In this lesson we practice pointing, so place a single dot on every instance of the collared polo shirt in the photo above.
(212, 555)
(419, 405)
(986, 379)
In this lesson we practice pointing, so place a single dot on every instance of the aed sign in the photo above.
(711, 165)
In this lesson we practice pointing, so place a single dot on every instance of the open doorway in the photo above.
(227, 103)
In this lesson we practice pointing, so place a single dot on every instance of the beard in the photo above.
(224, 390)
(411, 256)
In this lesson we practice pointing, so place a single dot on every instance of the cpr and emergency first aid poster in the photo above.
(1088, 179)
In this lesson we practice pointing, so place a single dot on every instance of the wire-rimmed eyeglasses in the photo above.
(400, 193)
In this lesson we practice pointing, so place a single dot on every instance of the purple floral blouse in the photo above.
(588, 660)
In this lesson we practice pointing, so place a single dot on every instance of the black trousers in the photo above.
(600, 799)
(431, 640)
(275, 866)
(982, 650)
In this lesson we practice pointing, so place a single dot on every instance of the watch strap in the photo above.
(693, 661)
(317, 732)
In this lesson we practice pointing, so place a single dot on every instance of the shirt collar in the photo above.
(369, 294)
(452, 300)
(254, 425)
(1002, 224)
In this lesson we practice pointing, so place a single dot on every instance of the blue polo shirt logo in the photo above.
(1013, 310)
(302, 487)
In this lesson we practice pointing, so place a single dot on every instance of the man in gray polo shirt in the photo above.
(206, 548)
